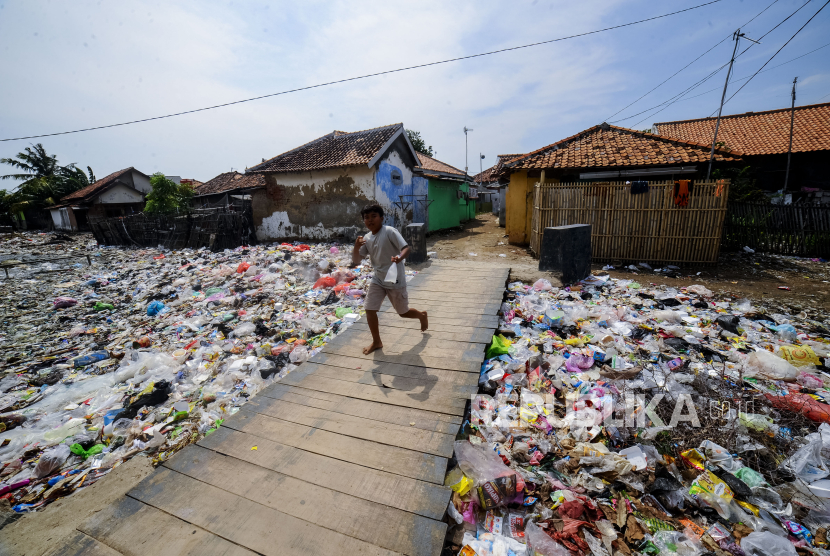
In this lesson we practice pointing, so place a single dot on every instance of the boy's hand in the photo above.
(397, 259)
(360, 242)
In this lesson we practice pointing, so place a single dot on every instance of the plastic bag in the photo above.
(63, 302)
(499, 346)
(763, 364)
(542, 285)
(325, 282)
(51, 461)
(675, 542)
(798, 356)
(154, 308)
(497, 484)
(699, 290)
(243, 267)
(392, 274)
(807, 463)
(298, 355)
(540, 544)
(751, 477)
(766, 544)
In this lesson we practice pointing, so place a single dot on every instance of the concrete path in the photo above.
(346, 455)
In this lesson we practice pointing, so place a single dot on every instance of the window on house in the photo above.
(397, 177)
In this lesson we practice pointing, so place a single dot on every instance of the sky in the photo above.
(69, 65)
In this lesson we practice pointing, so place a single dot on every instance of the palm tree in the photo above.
(44, 181)
(34, 163)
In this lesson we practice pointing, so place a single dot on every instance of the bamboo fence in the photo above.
(802, 230)
(647, 227)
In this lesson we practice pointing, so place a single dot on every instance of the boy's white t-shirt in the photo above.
(381, 248)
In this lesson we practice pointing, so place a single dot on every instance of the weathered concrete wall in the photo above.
(316, 205)
(325, 204)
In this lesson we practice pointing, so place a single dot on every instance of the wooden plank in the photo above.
(384, 367)
(407, 437)
(434, 325)
(445, 310)
(403, 462)
(478, 320)
(427, 420)
(420, 400)
(136, 529)
(81, 544)
(440, 359)
(418, 497)
(401, 531)
(347, 370)
(410, 338)
(455, 299)
(242, 521)
(460, 386)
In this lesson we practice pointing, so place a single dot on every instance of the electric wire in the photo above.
(376, 74)
(689, 64)
(777, 51)
(680, 95)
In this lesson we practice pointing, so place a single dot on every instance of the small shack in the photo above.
(603, 153)
(448, 194)
(119, 194)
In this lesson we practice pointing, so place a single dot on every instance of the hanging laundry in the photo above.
(719, 188)
(681, 193)
(639, 187)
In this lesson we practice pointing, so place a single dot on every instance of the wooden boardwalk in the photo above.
(346, 455)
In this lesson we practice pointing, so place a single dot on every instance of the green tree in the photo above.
(418, 143)
(43, 180)
(167, 195)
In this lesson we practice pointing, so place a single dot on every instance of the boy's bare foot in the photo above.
(424, 321)
(372, 347)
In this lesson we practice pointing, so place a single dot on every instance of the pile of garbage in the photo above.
(615, 417)
(146, 351)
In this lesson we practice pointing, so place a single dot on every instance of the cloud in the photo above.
(91, 64)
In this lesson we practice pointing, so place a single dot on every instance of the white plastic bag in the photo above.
(764, 364)
(807, 463)
(766, 544)
(392, 274)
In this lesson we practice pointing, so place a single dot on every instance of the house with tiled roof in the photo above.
(316, 191)
(118, 194)
(602, 153)
(227, 189)
(763, 139)
(447, 192)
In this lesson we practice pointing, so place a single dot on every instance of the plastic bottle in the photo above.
(91, 358)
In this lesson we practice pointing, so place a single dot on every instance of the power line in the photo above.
(777, 51)
(689, 64)
(680, 95)
(766, 70)
(363, 76)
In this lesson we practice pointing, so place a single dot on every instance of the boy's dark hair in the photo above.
(371, 208)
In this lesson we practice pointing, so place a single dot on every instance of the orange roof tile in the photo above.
(429, 163)
(335, 150)
(755, 133)
(608, 146)
(230, 181)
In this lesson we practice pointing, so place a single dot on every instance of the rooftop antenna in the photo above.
(466, 165)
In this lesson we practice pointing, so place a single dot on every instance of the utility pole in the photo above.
(736, 37)
(790, 149)
(466, 162)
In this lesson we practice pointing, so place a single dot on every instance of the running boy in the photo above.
(385, 247)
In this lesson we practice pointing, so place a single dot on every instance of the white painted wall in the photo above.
(141, 183)
(119, 193)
